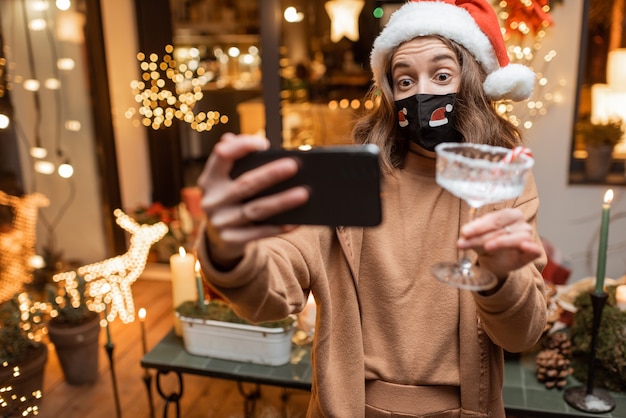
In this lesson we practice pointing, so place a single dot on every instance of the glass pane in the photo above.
(601, 108)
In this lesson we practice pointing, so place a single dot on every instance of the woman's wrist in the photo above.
(494, 289)
(218, 261)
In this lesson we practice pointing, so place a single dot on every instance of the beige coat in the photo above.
(276, 274)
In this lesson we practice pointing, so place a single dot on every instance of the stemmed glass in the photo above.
(479, 174)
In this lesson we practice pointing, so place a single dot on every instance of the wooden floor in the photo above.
(202, 396)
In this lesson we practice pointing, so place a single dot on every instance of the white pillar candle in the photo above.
(620, 296)
(182, 268)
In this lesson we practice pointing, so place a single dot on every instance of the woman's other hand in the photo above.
(503, 240)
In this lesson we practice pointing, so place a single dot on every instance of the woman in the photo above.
(389, 339)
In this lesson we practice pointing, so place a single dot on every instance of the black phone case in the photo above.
(344, 182)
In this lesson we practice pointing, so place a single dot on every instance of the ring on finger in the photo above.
(507, 230)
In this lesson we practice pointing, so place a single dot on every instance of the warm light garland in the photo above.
(109, 281)
(17, 246)
(33, 325)
(524, 24)
(159, 106)
(8, 399)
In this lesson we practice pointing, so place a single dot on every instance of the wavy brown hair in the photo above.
(476, 119)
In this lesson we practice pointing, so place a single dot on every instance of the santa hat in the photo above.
(471, 23)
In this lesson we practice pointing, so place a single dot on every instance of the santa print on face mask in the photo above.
(428, 119)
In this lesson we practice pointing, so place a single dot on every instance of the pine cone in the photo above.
(559, 341)
(553, 362)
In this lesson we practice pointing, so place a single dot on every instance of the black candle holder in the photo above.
(109, 349)
(587, 398)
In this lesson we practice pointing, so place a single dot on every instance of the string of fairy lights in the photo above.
(159, 105)
(524, 27)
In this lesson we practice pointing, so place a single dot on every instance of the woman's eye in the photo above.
(442, 77)
(405, 82)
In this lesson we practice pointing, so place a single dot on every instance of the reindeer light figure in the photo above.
(17, 246)
(110, 280)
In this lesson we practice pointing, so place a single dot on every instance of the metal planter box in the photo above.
(239, 342)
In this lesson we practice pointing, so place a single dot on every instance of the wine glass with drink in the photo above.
(479, 174)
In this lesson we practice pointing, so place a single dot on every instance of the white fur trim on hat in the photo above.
(514, 82)
(423, 18)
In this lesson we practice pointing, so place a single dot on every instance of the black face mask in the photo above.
(428, 119)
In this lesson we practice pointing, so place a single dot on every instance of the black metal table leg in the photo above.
(147, 380)
(173, 396)
(249, 399)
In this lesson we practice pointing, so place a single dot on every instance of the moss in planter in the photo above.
(610, 370)
(220, 311)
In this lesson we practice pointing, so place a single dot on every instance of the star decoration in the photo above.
(344, 18)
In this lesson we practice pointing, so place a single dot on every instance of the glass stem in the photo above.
(465, 263)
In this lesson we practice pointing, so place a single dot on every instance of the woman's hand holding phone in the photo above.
(233, 219)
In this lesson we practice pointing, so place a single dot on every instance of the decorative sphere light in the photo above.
(31, 84)
(38, 152)
(37, 25)
(4, 121)
(52, 84)
(63, 4)
(66, 170)
(233, 51)
(292, 15)
(44, 167)
(40, 5)
(37, 261)
(73, 125)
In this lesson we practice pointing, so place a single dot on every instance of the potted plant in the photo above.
(213, 329)
(599, 140)
(74, 330)
(22, 356)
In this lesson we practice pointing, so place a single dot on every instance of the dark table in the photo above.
(169, 355)
(523, 395)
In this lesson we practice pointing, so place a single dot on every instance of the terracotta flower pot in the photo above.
(77, 349)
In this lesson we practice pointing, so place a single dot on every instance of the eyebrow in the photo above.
(436, 58)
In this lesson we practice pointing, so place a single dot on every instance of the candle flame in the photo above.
(182, 251)
(608, 196)
(142, 314)
(197, 266)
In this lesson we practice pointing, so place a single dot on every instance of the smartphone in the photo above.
(343, 181)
